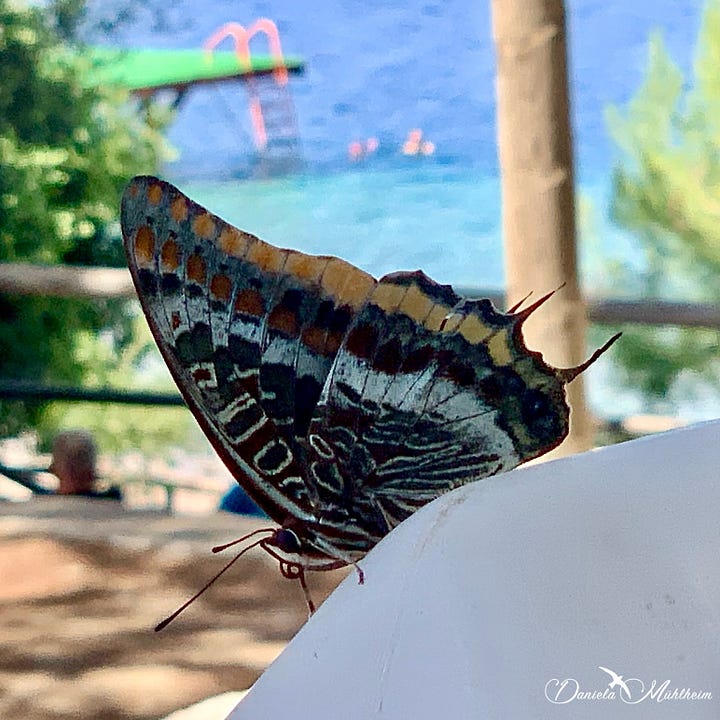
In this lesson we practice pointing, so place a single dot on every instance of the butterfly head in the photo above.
(286, 541)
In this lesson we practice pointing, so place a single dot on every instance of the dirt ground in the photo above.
(83, 583)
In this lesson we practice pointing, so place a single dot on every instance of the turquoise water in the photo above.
(443, 220)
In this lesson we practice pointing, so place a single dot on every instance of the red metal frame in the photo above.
(241, 37)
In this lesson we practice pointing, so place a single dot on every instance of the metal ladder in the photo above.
(272, 111)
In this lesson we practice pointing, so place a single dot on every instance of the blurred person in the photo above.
(371, 145)
(358, 150)
(355, 150)
(411, 146)
(73, 462)
(415, 145)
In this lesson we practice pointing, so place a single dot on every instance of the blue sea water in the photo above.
(441, 219)
(378, 69)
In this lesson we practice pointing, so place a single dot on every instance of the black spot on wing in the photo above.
(501, 384)
(148, 283)
(539, 414)
(362, 341)
(292, 299)
(272, 457)
(389, 357)
(243, 353)
(195, 346)
(277, 383)
(170, 284)
(460, 373)
(307, 394)
(418, 359)
(350, 392)
(244, 420)
(333, 319)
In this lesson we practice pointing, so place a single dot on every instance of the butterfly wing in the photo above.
(340, 403)
(249, 332)
(428, 392)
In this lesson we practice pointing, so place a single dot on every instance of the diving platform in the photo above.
(146, 72)
(265, 77)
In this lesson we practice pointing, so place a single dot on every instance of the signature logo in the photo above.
(631, 691)
(617, 681)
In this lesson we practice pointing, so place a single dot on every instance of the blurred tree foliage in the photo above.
(152, 431)
(667, 192)
(66, 151)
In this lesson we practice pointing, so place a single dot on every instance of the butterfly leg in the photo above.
(288, 569)
(336, 554)
(292, 571)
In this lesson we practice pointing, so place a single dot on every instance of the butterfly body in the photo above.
(340, 403)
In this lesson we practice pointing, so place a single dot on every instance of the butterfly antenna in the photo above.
(170, 618)
(569, 374)
(220, 548)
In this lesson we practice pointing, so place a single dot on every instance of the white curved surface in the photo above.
(485, 601)
(212, 708)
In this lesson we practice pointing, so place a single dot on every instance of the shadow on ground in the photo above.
(83, 583)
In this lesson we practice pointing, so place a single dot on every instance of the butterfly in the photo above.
(340, 403)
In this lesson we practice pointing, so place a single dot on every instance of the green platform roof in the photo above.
(157, 69)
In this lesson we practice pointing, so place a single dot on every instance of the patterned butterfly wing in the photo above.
(249, 332)
(341, 404)
(429, 391)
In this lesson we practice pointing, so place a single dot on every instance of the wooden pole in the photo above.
(538, 206)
